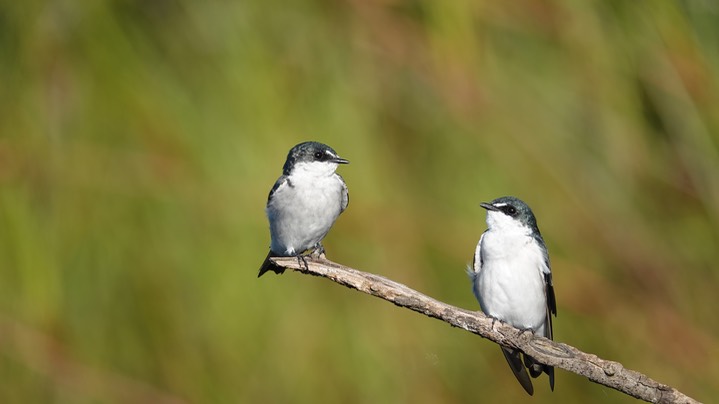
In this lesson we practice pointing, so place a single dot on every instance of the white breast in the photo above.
(303, 211)
(509, 284)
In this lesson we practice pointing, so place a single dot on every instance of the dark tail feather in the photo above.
(513, 357)
(269, 266)
(536, 369)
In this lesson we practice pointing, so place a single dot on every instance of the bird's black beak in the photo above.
(339, 160)
(488, 206)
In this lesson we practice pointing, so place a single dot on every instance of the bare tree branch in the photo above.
(607, 373)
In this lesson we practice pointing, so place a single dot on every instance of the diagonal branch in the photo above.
(607, 373)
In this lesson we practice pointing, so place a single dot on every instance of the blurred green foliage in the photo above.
(139, 139)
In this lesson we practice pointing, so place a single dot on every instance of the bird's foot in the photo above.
(526, 330)
(302, 260)
(318, 252)
(526, 333)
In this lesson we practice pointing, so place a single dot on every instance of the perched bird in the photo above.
(304, 202)
(512, 279)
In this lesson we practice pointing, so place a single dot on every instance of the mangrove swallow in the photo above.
(304, 202)
(512, 280)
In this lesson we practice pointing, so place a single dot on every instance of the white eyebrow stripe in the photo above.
(500, 204)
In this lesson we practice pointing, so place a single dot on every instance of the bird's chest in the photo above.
(507, 246)
(511, 284)
(308, 196)
(307, 202)
(512, 264)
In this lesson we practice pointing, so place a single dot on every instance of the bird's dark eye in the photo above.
(511, 210)
(318, 155)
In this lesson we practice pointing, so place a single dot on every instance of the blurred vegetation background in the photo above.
(139, 140)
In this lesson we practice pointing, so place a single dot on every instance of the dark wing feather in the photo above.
(551, 310)
(551, 305)
(283, 180)
(267, 265)
(551, 302)
(481, 260)
(345, 194)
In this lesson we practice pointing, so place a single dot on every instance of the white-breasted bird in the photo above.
(512, 280)
(304, 202)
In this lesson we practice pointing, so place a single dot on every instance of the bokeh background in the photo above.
(139, 140)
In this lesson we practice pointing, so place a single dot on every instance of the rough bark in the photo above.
(608, 373)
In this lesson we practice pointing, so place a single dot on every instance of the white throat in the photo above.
(313, 169)
(499, 222)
